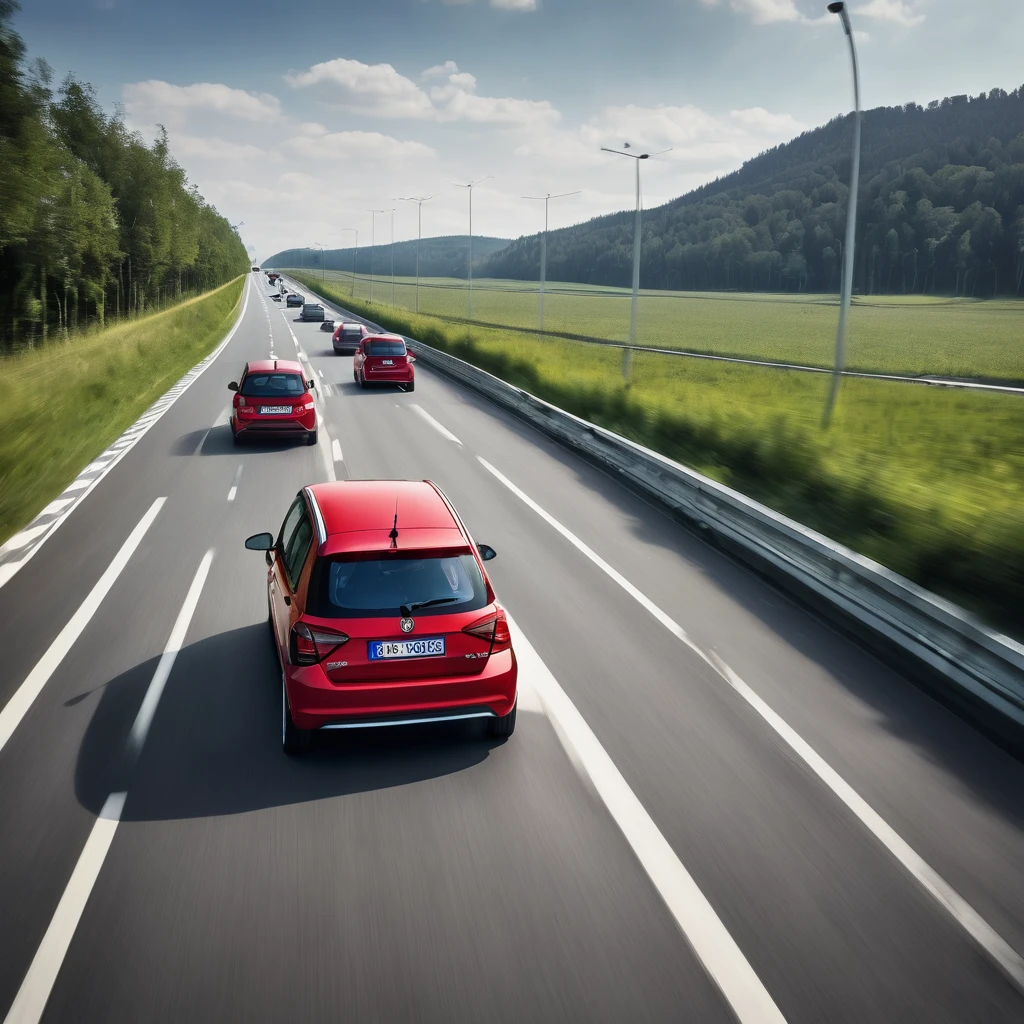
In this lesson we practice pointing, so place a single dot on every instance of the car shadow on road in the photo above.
(220, 442)
(214, 746)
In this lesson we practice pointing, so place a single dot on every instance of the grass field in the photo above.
(66, 402)
(928, 481)
(887, 334)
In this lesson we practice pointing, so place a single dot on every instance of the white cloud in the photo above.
(213, 149)
(373, 89)
(515, 5)
(379, 90)
(764, 12)
(360, 146)
(155, 99)
(896, 11)
(449, 67)
(312, 128)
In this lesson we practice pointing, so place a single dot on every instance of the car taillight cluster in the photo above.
(310, 645)
(308, 404)
(493, 629)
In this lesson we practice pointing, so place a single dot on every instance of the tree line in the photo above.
(93, 221)
(941, 210)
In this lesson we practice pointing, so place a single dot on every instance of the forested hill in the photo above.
(443, 256)
(941, 209)
(93, 222)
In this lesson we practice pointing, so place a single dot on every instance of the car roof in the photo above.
(385, 337)
(358, 516)
(270, 365)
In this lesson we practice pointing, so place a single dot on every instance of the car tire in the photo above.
(235, 436)
(311, 438)
(503, 727)
(293, 739)
(410, 387)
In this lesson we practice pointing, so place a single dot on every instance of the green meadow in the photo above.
(928, 481)
(66, 401)
(913, 335)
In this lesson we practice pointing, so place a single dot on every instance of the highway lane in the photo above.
(431, 874)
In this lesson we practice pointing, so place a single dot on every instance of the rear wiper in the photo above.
(408, 609)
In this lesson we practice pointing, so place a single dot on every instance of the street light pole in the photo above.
(419, 201)
(851, 221)
(470, 188)
(544, 252)
(627, 355)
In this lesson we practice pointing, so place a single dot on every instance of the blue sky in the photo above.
(299, 118)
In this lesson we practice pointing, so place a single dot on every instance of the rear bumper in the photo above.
(396, 377)
(317, 703)
(275, 428)
(343, 349)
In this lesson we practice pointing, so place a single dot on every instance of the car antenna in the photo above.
(394, 529)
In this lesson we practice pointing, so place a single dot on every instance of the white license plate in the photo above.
(275, 408)
(428, 647)
(387, 362)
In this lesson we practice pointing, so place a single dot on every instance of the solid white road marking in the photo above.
(17, 707)
(336, 450)
(696, 918)
(147, 708)
(202, 441)
(223, 417)
(442, 430)
(933, 883)
(666, 620)
(960, 910)
(30, 1002)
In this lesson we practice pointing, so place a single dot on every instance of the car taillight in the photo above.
(309, 403)
(312, 645)
(493, 629)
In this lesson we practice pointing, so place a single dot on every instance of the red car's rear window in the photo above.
(385, 348)
(273, 385)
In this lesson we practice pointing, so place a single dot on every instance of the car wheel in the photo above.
(411, 386)
(505, 726)
(293, 739)
(235, 436)
(311, 438)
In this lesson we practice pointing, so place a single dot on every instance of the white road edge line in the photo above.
(336, 451)
(17, 707)
(696, 918)
(945, 895)
(155, 690)
(30, 1002)
(958, 908)
(442, 430)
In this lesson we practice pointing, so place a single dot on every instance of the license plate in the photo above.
(275, 408)
(428, 647)
(387, 362)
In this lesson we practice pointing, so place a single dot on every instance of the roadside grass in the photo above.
(913, 334)
(66, 402)
(927, 481)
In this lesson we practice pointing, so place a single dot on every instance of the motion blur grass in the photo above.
(64, 403)
(913, 334)
(928, 481)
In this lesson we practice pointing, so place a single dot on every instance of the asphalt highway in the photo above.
(714, 806)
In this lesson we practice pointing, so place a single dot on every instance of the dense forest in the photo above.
(93, 222)
(443, 256)
(941, 209)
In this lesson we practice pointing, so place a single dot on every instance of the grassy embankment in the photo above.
(928, 481)
(66, 402)
(912, 334)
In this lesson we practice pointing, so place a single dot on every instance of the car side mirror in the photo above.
(486, 551)
(260, 542)
(233, 386)
(311, 383)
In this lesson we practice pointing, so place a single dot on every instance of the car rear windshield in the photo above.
(351, 332)
(385, 348)
(273, 385)
(379, 587)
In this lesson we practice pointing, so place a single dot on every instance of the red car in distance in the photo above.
(347, 336)
(273, 399)
(383, 614)
(384, 359)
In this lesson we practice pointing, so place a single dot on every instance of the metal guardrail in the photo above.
(928, 631)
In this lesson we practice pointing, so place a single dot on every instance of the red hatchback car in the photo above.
(273, 399)
(384, 359)
(347, 336)
(383, 614)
